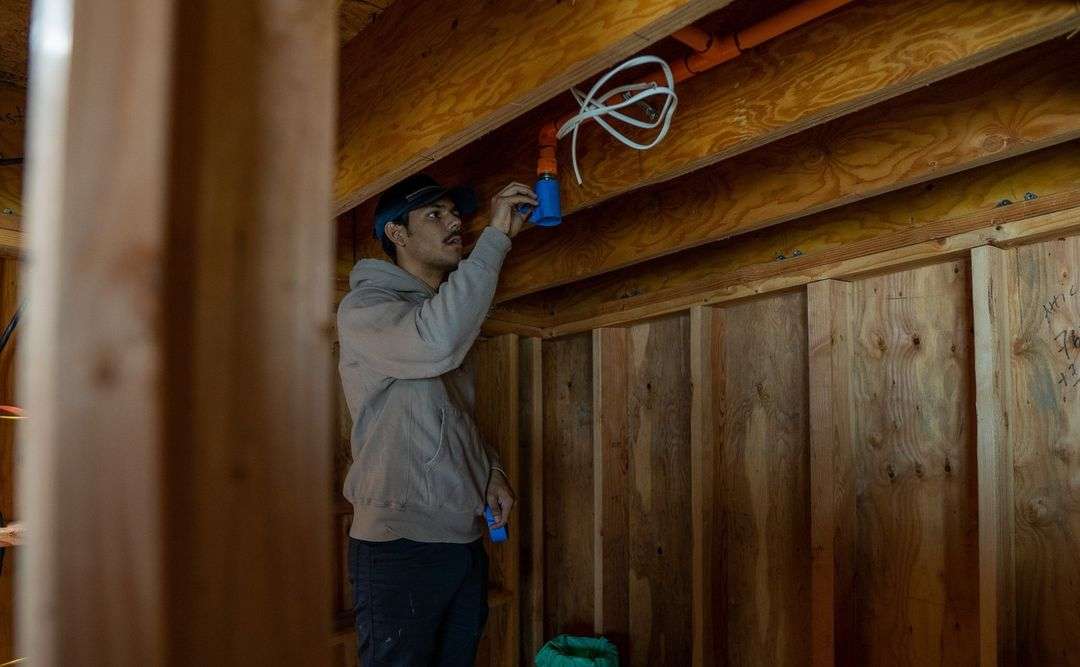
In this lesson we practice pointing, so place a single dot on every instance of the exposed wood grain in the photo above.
(911, 382)
(993, 288)
(915, 215)
(438, 88)
(707, 378)
(12, 131)
(496, 366)
(354, 16)
(14, 41)
(848, 60)
(9, 302)
(95, 397)
(568, 486)
(660, 550)
(611, 462)
(1046, 450)
(764, 481)
(832, 474)
(1008, 108)
(184, 429)
(531, 494)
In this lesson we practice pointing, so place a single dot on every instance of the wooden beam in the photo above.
(531, 394)
(183, 430)
(471, 68)
(963, 123)
(1026, 223)
(611, 461)
(832, 475)
(707, 380)
(918, 214)
(993, 274)
(853, 58)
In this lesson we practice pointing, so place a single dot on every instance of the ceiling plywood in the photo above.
(354, 16)
(14, 22)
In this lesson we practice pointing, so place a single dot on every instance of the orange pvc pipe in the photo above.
(711, 50)
(790, 18)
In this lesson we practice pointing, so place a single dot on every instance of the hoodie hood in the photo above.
(386, 275)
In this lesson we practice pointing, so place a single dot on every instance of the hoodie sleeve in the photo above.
(405, 340)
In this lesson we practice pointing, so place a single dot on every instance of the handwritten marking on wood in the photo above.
(1046, 453)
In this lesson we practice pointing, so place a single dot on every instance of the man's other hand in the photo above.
(500, 497)
(504, 214)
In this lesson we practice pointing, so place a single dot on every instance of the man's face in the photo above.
(435, 236)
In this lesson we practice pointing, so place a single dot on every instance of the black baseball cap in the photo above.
(416, 191)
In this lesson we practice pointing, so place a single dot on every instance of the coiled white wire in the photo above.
(595, 107)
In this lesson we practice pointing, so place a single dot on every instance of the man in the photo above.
(420, 475)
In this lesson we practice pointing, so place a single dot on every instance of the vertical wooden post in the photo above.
(180, 160)
(610, 468)
(995, 307)
(496, 362)
(832, 473)
(707, 377)
(532, 437)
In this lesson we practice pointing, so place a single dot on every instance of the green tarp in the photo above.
(567, 651)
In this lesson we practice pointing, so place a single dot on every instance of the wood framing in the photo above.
(956, 125)
(895, 225)
(611, 461)
(995, 311)
(497, 376)
(707, 378)
(853, 58)
(531, 493)
(832, 474)
(437, 88)
(179, 445)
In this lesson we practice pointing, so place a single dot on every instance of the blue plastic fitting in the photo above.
(497, 534)
(549, 212)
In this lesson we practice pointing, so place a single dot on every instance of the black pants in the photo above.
(418, 604)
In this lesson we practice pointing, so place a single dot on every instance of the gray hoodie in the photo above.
(419, 466)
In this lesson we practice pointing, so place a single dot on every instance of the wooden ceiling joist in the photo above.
(860, 55)
(808, 249)
(433, 75)
(1025, 102)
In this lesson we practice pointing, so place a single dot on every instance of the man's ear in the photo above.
(397, 234)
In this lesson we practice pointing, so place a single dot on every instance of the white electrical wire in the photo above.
(595, 107)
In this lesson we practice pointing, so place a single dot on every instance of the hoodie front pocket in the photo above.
(440, 446)
(452, 475)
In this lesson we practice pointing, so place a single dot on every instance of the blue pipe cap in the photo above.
(549, 211)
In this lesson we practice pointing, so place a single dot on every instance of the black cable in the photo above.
(10, 161)
(10, 328)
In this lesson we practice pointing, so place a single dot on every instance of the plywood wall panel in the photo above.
(1046, 452)
(568, 485)
(9, 302)
(495, 363)
(658, 388)
(763, 481)
(912, 377)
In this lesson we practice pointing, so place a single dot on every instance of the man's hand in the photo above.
(11, 535)
(500, 497)
(504, 217)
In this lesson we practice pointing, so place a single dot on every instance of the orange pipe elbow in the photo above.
(710, 51)
(548, 163)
